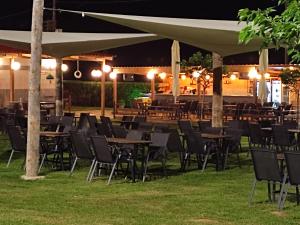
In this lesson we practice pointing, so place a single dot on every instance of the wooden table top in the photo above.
(53, 134)
(215, 136)
(126, 141)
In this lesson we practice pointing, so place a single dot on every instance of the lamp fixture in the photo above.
(96, 73)
(113, 75)
(15, 65)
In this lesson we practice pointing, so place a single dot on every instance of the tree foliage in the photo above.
(278, 26)
(290, 77)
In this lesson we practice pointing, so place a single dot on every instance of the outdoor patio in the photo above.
(181, 198)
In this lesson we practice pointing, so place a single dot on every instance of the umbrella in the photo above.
(175, 51)
(263, 66)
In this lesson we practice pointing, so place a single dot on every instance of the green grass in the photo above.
(189, 198)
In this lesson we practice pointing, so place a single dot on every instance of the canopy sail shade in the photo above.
(175, 52)
(263, 66)
(219, 36)
(62, 44)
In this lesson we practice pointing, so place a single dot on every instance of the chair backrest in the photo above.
(292, 160)
(119, 131)
(16, 137)
(290, 124)
(134, 134)
(102, 150)
(213, 130)
(185, 125)
(255, 134)
(83, 122)
(203, 125)
(145, 126)
(235, 134)
(104, 129)
(281, 136)
(140, 119)
(159, 139)
(92, 121)
(80, 145)
(69, 114)
(127, 118)
(194, 142)
(106, 120)
(161, 128)
(266, 165)
(174, 142)
(67, 121)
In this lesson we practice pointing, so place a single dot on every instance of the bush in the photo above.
(87, 93)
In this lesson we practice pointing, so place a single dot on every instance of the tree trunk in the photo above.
(103, 91)
(59, 89)
(33, 133)
(298, 108)
(217, 101)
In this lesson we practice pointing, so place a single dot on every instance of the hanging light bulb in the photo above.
(207, 77)
(64, 67)
(267, 76)
(113, 75)
(106, 68)
(232, 77)
(196, 74)
(15, 65)
(162, 75)
(183, 77)
(252, 73)
(96, 73)
(151, 74)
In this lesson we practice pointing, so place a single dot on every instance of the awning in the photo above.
(220, 36)
(61, 44)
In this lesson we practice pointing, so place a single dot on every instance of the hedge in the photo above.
(87, 93)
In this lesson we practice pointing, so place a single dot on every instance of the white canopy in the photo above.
(220, 36)
(61, 44)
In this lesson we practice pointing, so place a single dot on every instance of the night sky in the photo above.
(16, 14)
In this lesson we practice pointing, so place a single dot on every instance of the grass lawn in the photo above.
(190, 198)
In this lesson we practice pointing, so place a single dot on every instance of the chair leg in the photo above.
(112, 172)
(10, 157)
(226, 158)
(145, 169)
(281, 191)
(42, 162)
(93, 171)
(91, 167)
(73, 166)
(297, 194)
(252, 191)
(285, 191)
(205, 160)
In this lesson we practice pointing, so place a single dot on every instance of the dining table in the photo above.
(136, 143)
(57, 138)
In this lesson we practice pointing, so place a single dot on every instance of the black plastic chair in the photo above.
(17, 141)
(282, 139)
(185, 126)
(157, 151)
(292, 177)
(266, 168)
(104, 155)
(81, 150)
(119, 131)
(175, 144)
(233, 144)
(196, 145)
(257, 137)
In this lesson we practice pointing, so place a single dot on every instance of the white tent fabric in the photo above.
(263, 66)
(61, 44)
(175, 52)
(219, 36)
